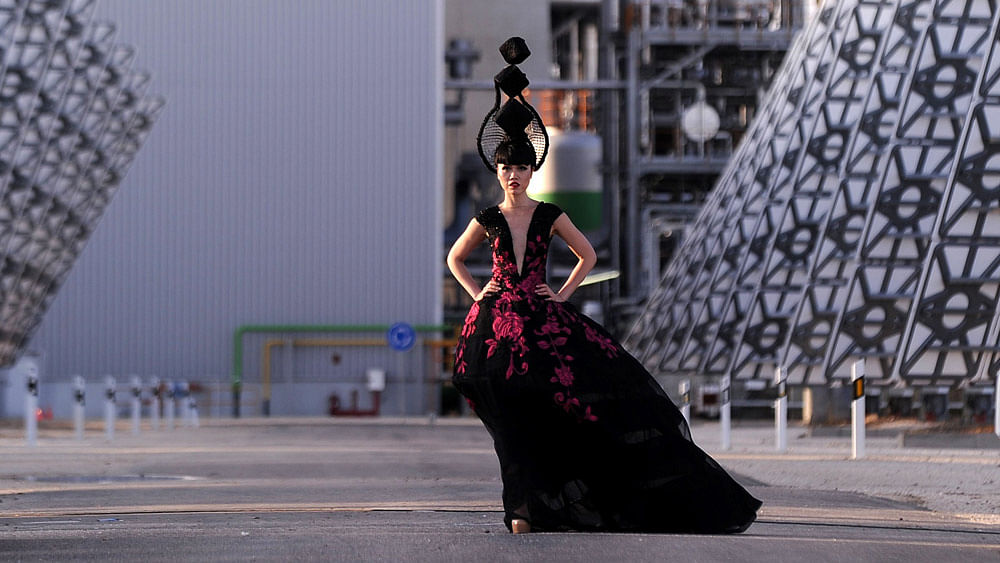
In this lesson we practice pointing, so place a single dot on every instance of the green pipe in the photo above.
(240, 331)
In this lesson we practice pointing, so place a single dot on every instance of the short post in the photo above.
(185, 403)
(31, 407)
(79, 403)
(136, 389)
(168, 405)
(109, 407)
(725, 405)
(780, 411)
(192, 402)
(685, 391)
(154, 404)
(858, 410)
(996, 408)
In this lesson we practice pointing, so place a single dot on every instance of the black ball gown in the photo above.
(587, 439)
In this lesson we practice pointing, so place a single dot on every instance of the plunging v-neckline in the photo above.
(510, 236)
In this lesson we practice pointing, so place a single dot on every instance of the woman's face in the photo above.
(514, 178)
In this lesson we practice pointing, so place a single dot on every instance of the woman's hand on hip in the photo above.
(545, 291)
(491, 287)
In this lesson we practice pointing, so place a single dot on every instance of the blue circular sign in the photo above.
(401, 337)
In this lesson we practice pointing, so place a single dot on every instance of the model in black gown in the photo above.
(586, 438)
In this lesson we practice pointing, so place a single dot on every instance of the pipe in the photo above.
(631, 243)
(266, 361)
(237, 376)
(489, 85)
(265, 369)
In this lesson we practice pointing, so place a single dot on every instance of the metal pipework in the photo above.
(237, 379)
(305, 342)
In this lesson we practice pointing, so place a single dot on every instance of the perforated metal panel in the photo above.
(73, 114)
(860, 218)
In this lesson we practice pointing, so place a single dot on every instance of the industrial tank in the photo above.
(571, 177)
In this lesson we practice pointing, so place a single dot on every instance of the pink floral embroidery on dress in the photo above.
(468, 328)
(508, 329)
(518, 292)
(508, 325)
(604, 342)
(555, 335)
(567, 403)
(564, 376)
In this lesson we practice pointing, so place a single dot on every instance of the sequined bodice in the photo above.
(536, 248)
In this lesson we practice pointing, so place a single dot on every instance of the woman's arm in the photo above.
(473, 236)
(580, 246)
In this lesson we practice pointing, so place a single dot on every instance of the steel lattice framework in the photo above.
(73, 114)
(860, 217)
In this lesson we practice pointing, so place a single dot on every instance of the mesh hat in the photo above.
(515, 120)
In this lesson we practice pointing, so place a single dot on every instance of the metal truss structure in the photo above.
(860, 216)
(73, 114)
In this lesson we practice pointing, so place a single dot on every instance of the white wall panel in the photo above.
(294, 177)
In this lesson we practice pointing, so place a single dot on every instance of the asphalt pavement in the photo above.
(429, 490)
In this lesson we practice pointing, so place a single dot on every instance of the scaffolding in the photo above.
(670, 86)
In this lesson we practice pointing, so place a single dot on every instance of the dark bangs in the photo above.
(516, 153)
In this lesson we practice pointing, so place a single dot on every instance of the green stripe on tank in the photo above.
(584, 208)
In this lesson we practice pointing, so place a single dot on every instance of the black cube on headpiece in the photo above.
(515, 120)
(513, 117)
(511, 80)
(515, 51)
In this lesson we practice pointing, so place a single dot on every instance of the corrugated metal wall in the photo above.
(294, 177)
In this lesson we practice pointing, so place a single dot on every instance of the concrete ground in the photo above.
(417, 490)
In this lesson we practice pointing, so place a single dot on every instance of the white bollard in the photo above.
(31, 407)
(996, 408)
(79, 404)
(685, 391)
(154, 404)
(724, 413)
(858, 410)
(183, 398)
(193, 412)
(136, 389)
(780, 411)
(168, 405)
(109, 408)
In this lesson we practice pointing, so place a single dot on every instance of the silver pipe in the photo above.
(540, 85)
(590, 55)
(632, 175)
(574, 51)
(607, 70)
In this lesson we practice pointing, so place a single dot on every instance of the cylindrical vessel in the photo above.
(571, 177)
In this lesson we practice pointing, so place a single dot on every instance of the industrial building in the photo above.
(287, 201)
(277, 246)
(289, 206)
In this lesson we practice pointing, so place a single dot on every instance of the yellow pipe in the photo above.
(441, 343)
(265, 360)
(340, 342)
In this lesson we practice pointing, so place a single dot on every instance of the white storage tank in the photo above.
(571, 177)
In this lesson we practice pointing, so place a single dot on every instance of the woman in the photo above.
(586, 438)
